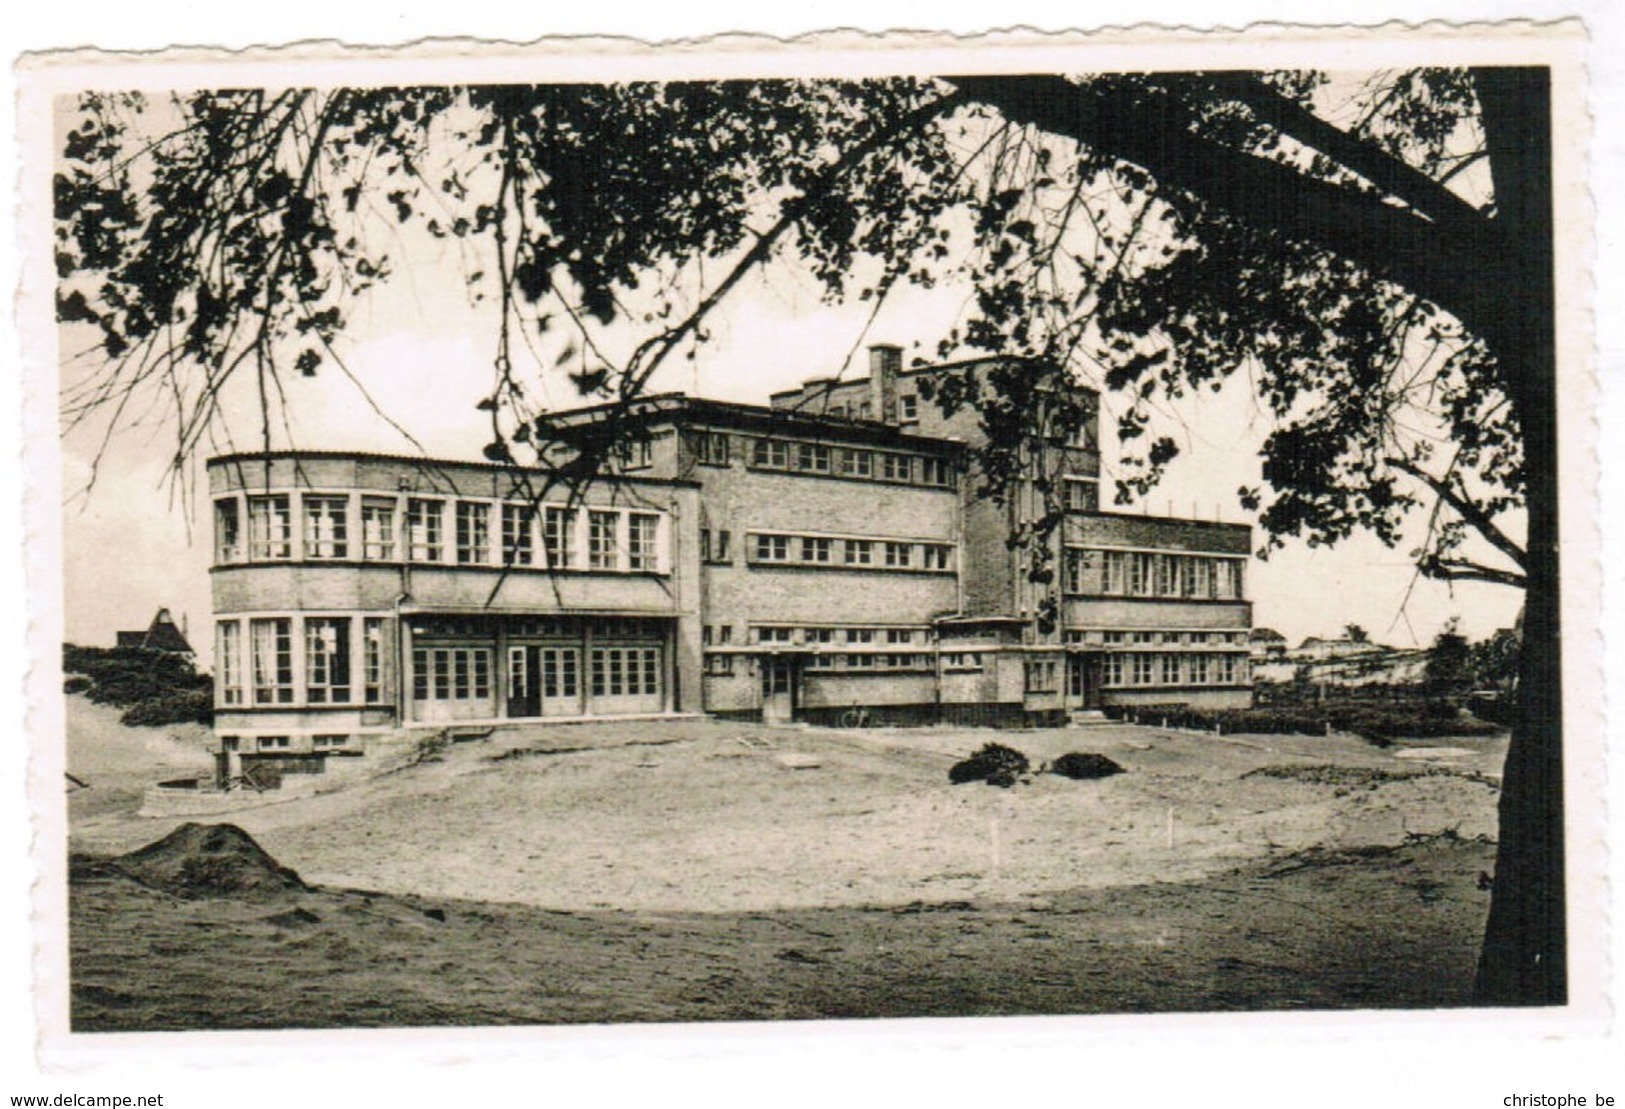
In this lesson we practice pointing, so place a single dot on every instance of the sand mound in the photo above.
(209, 860)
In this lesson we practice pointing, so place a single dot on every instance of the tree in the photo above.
(1153, 234)
(1356, 634)
(1449, 667)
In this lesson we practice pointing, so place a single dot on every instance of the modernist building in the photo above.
(829, 556)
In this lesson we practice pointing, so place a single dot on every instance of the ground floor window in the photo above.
(327, 659)
(273, 661)
(625, 671)
(451, 673)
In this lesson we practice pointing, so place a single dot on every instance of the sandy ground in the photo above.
(701, 870)
(707, 816)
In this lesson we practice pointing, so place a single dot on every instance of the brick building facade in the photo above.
(830, 556)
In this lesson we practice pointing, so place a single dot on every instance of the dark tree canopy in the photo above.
(1381, 271)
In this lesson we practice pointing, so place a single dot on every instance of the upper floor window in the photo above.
(898, 554)
(603, 553)
(711, 448)
(634, 455)
(860, 552)
(559, 537)
(934, 471)
(908, 408)
(473, 532)
(517, 543)
(936, 556)
(897, 467)
(772, 453)
(1080, 494)
(812, 458)
(641, 548)
(228, 534)
(815, 548)
(772, 548)
(855, 463)
(714, 546)
(425, 526)
(269, 527)
(326, 526)
(378, 529)
(1078, 570)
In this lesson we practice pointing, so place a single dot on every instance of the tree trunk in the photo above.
(1524, 958)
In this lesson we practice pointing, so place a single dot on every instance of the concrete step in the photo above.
(1086, 718)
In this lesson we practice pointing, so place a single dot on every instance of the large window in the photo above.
(273, 661)
(228, 663)
(451, 673)
(602, 551)
(856, 463)
(936, 556)
(1170, 669)
(326, 525)
(1143, 667)
(897, 467)
(378, 529)
(898, 555)
(425, 529)
(228, 535)
(860, 552)
(1200, 672)
(518, 547)
(1140, 568)
(816, 548)
(642, 548)
(327, 659)
(473, 532)
(1081, 494)
(934, 471)
(269, 527)
(559, 537)
(625, 671)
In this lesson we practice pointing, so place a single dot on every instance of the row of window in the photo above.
(1167, 668)
(464, 673)
(538, 627)
(1153, 574)
(333, 526)
(721, 665)
(1171, 638)
(264, 671)
(790, 634)
(859, 463)
(822, 550)
(1144, 668)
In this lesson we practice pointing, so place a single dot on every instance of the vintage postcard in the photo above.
(1095, 528)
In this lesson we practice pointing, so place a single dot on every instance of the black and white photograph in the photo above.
(816, 535)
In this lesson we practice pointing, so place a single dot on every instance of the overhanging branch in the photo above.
(1475, 516)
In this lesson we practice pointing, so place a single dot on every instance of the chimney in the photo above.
(885, 363)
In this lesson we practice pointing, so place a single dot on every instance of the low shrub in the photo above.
(1081, 766)
(1377, 721)
(196, 707)
(995, 764)
(127, 676)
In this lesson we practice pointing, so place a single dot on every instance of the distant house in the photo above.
(1267, 643)
(160, 635)
(1317, 648)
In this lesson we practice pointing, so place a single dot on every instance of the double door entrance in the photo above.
(544, 681)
